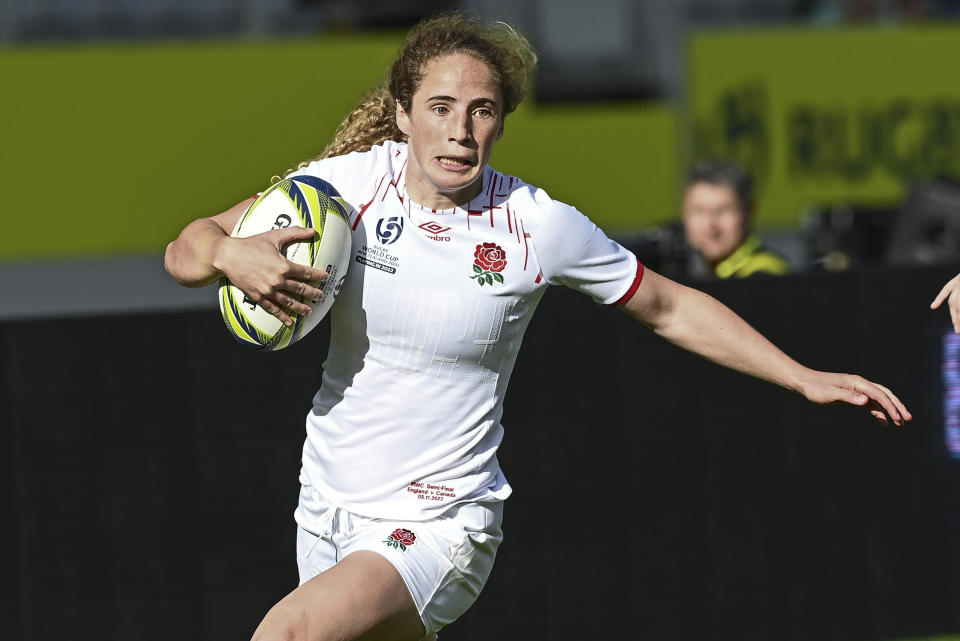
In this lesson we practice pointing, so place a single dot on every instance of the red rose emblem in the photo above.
(401, 539)
(404, 536)
(490, 257)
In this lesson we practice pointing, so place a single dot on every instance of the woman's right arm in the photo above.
(204, 252)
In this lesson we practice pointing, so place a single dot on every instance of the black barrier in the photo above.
(152, 475)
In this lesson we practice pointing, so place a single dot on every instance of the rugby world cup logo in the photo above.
(389, 229)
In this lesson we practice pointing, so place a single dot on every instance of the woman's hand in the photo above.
(827, 387)
(258, 267)
(950, 293)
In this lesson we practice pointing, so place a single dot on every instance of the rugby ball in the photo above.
(302, 201)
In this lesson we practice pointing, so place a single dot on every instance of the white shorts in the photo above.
(444, 562)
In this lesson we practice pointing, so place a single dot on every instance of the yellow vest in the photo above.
(750, 258)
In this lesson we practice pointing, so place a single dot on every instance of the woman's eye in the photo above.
(484, 112)
(440, 109)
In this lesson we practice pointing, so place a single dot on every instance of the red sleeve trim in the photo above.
(633, 287)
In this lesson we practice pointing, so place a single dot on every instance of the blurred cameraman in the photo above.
(717, 214)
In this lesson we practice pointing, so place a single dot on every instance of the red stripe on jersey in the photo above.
(473, 212)
(539, 277)
(493, 195)
(509, 224)
(365, 207)
(633, 287)
(396, 181)
(526, 246)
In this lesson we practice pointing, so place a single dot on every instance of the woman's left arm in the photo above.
(701, 324)
(951, 294)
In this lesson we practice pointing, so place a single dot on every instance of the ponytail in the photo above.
(372, 121)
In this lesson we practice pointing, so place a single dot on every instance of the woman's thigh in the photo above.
(360, 598)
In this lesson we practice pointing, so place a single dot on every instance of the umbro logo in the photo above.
(435, 230)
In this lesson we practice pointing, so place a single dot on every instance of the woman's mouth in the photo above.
(454, 163)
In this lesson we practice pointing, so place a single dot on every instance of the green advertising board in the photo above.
(826, 117)
(112, 149)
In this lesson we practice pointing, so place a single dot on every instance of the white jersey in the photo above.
(426, 330)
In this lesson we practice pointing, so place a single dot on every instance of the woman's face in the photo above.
(455, 116)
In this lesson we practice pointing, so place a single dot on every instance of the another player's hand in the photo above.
(827, 387)
(950, 293)
(259, 268)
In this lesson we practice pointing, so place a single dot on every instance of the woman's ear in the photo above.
(403, 121)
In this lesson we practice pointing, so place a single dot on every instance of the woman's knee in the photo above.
(362, 597)
(285, 623)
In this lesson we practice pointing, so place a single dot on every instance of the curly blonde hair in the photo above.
(373, 121)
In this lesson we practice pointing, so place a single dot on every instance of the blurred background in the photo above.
(146, 497)
(123, 120)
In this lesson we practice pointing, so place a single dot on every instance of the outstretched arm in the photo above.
(951, 294)
(204, 252)
(701, 324)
